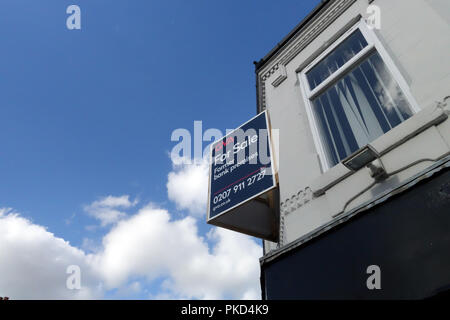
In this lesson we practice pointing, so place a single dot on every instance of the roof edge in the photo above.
(262, 62)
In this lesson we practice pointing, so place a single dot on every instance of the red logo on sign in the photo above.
(220, 146)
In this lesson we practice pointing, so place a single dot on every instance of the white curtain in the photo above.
(359, 108)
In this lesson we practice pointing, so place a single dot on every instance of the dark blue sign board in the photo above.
(241, 167)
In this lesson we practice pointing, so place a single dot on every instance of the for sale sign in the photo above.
(241, 167)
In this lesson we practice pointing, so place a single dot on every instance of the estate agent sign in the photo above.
(241, 167)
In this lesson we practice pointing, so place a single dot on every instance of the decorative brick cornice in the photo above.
(277, 64)
(282, 228)
(444, 104)
(296, 201)
(290, 205)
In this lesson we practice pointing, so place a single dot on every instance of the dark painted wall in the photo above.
(408, 237)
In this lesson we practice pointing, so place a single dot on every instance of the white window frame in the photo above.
(373, 45)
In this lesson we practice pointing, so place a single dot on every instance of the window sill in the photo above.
(419, 122)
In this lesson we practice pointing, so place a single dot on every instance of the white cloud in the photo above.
(147, 245)
(33, 262)
(230, 270)
(112, 202)
(107, 209)
(187, 186)
(151, 245)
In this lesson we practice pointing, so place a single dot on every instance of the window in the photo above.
(354, 94)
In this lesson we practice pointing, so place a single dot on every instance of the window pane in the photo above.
(336, 59)
(363, 105)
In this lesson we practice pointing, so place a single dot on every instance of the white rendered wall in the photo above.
(416, 35)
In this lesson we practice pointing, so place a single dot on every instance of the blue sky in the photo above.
(87, 114)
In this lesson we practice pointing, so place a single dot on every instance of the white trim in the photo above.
(339, 73)
(315, 131)
(308, 94)
(331, 47)
(398, 77)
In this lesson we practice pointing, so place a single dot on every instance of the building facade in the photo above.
(360, 93)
